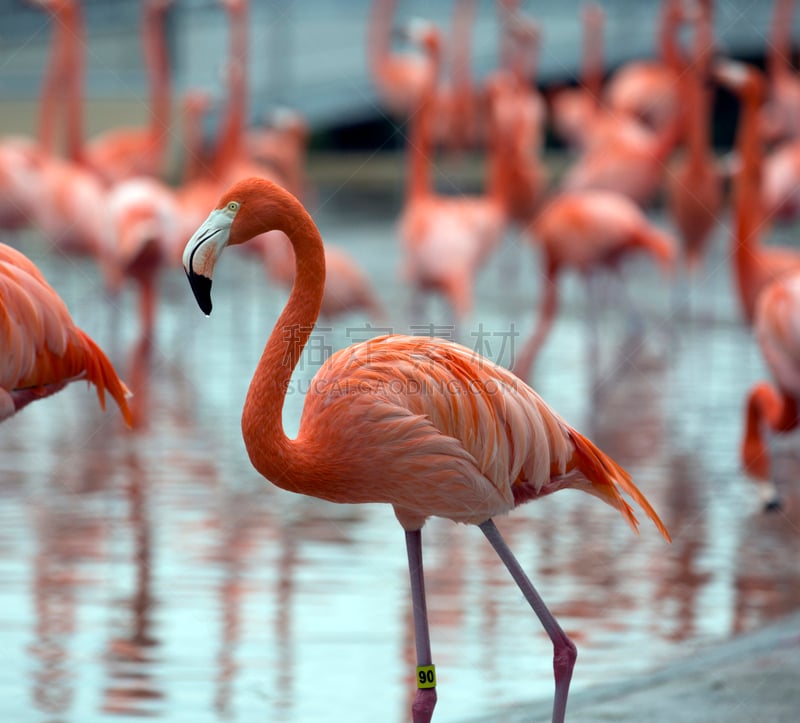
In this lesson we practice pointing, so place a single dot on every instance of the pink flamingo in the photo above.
(43, 349)
(586, 231)
(755, 265)
(126, 152)
(647, 90)
(774, 406)
(695, 183)
(476, 443)
(779, 118)
(446, 238)
(400, 78)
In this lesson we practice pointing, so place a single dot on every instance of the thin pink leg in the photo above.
(564, 650)
(425, 700)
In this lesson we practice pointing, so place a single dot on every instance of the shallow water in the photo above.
(156, 574)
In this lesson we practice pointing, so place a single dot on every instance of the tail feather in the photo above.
(101, 373)
(607, 479)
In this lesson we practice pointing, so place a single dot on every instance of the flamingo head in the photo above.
(422, 34)
(741, 79)
(248, 208)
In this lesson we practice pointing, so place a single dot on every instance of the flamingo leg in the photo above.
(564, 650)
(425, 700)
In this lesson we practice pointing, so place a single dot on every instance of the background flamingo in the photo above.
(774, 407)
(428, 453)
(126, 152)
(586, 231)
(43, 350)
(755, 265)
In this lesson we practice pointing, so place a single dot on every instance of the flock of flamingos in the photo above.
(448, 432)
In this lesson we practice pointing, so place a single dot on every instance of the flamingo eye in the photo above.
(233, 206)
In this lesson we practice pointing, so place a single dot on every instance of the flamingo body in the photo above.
(423, 424)
(43, 350)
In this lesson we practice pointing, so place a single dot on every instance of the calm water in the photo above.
(157, 575)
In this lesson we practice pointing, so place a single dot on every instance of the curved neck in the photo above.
(156, 58)
(53, 83)
(669, 24)
(272, 453)
(593, 56)
(229, 140)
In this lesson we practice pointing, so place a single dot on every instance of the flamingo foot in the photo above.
(424, 703)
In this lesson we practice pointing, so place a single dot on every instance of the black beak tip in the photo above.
(201, 286)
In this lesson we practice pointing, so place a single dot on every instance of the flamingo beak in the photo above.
(201, 254)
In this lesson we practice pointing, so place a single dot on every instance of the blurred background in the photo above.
(153, 573)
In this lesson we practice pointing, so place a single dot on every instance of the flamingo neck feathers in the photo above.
(271, 452)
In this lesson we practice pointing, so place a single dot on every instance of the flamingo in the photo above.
(400, 79)
(70, 197)
(775, 406)
(127, 152)
(755, 265)
(648, 90)
(474, 444)
(587, 230)
(779, 119)
(446, 238)
(43, 349)
(143, 233)
(695, 183)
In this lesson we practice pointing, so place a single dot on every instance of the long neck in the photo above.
(461, 45)
(156, 60)
(232, 127)
(748, 215)
(698, 100)
(271, 451)
(72, 26)
(53, 82)
(419, 181)
(193, 150)
(669, 24)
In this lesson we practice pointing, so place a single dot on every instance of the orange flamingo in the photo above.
(143, 233)
(126, 152)
(695, 183)
(648, 90)
(587, 230)
(423, 424)
(400, 79)
(780, 116)
(446, 238)
(754, 265)
(68, 209)
(43, 349)
(774, 406)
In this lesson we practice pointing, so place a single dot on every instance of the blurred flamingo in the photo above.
(445, 238)
(774, 407)
(43, 350)
(126, 152)
(400, 79)
(587, 231)
(695, 183)
(779, 118)
(648, 90)
(475, 443)
(70, 198)
(755, 265)
(143, 232)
